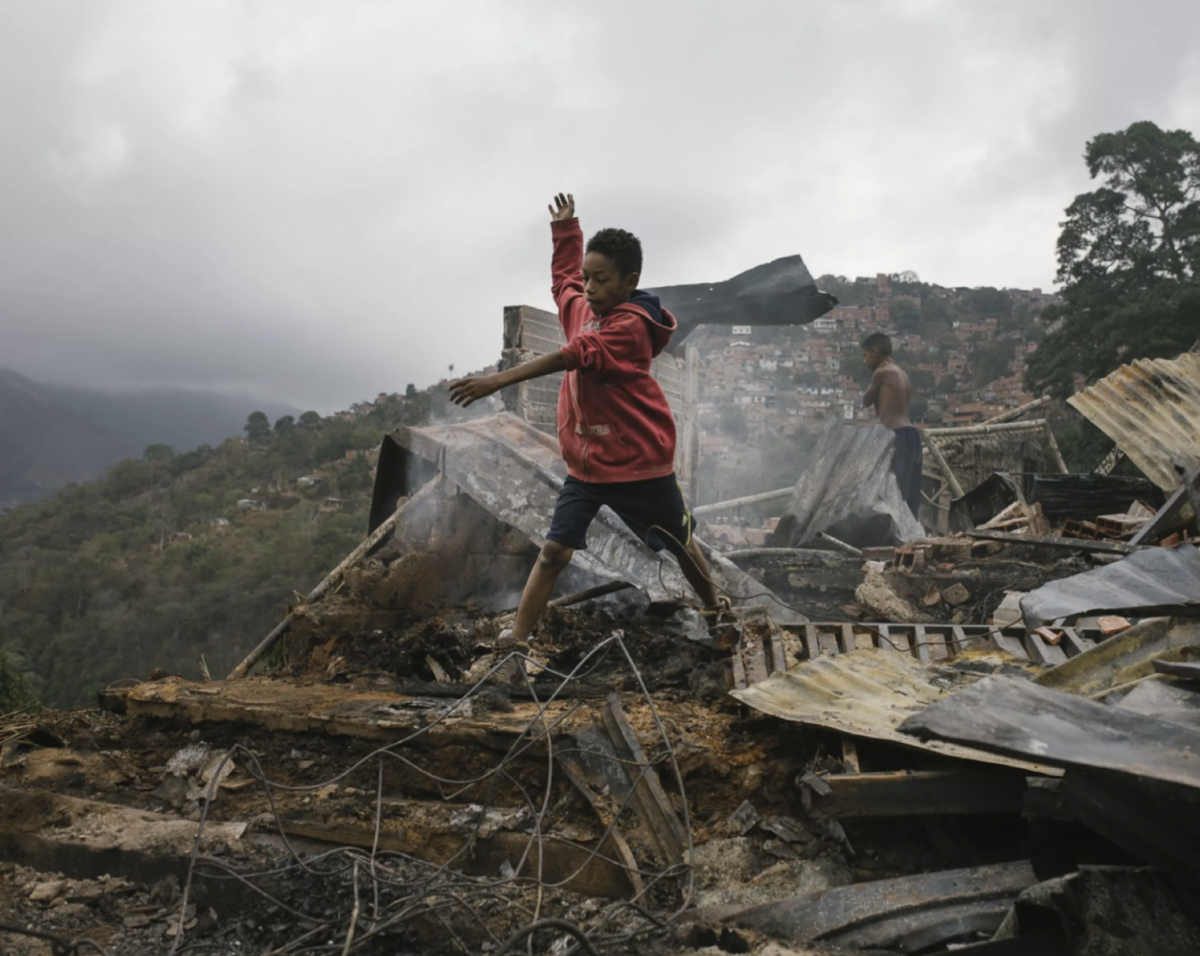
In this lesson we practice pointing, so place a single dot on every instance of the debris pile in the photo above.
(976, 741)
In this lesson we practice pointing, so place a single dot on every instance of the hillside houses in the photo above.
(779, 383)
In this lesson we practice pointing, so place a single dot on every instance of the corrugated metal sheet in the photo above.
(1151, 409)
(1154, 581)
(869, 693)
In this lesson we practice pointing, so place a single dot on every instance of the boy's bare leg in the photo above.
(695, 569)
(550, 564)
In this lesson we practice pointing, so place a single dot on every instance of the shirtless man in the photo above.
(889, 394)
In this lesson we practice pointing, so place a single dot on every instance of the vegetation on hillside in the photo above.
(1128, 260)
(171, 559)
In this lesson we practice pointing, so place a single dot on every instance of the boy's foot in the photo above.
(724, 624)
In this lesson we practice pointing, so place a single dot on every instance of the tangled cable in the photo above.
(59, 945)
(347, 897)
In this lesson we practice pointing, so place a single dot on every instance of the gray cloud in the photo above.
(319, 201)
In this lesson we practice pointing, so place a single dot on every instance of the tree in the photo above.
(946, 385)
(15, 692)
(1128, 260)
(410, 390)
(906, 314)
(992, 361)
(934, 311)
(310, 420)
(258, 428)
(987, 302)
(284, 425)
(158, 453)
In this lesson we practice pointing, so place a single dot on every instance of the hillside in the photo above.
(766, 392)
(158, 565)
(51, 435)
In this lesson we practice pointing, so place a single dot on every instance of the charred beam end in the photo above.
(1054, 541)
(921, 793)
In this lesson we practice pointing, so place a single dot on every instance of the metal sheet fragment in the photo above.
(1151, 409)
(1156, 580)
(868, 693)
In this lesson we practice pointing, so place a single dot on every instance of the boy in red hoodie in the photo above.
(615, 428)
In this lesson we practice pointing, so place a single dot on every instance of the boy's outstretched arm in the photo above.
(468, 390)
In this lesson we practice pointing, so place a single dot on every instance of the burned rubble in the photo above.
(979, 737)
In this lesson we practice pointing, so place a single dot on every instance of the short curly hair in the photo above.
(623, 248)
(878, 340)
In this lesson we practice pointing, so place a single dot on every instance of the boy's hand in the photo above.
(566, 207)
(468, 390)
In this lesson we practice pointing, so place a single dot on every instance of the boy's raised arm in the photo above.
(566, 265)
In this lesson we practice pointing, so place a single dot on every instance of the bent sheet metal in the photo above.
(869, 693)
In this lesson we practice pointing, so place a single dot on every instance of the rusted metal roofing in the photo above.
(1151, 409)
(869, 693)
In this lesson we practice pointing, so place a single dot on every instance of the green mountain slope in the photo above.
(157, 565)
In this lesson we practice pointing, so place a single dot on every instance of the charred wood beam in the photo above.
(905, 793)
(1054, 541)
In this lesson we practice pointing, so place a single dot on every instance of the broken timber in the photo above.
(925, 642)
(910, 914)
(372, 541)
(1054, 541)
(900, 793)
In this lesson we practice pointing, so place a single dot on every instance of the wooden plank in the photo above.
(846, 638)
(920, 644)
(739, 669)
(960, 638)
(1075, 643)
(1042, 653)
(778, 654)
(755, 656)
(938, 649)
(657, 812)
(1054, 541)
(901, 635)
(884, 641)
(1010, 645)
(586, 873)
(811, 647)
(921, 793)
(827, 642)
(567, 761)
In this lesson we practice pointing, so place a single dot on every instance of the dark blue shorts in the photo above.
(907, 462)
(642, 505)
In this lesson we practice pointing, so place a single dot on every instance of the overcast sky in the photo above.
(319, 200)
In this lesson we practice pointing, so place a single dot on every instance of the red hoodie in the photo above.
(614, 423)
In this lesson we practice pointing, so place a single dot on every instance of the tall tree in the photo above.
(258, 428)
(1128, 260)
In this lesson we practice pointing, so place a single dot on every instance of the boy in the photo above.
(615, 428)
(889, 394)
